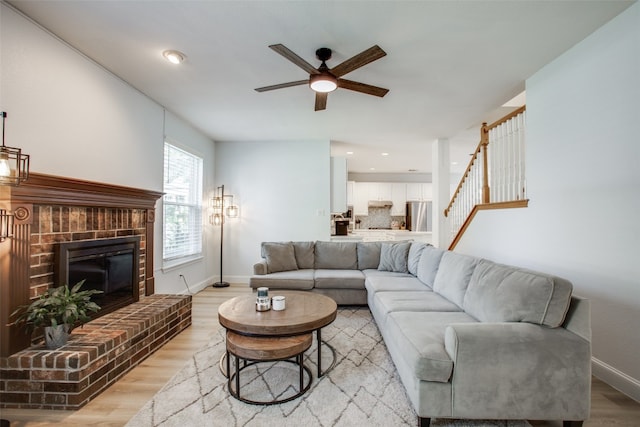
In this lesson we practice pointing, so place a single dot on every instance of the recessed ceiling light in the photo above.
(349, 152)
(385, 154)
(372, 169)
(454, 163)
(174, 56)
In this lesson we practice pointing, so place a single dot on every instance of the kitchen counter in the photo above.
(366, 235)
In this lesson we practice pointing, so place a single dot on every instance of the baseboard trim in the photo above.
(197, 287)
(237, 279)
(616, 379)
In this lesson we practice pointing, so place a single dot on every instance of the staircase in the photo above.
(495, 177)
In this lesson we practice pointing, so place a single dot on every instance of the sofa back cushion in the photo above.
(501, 293)
(428, 264)
(454, 273)
(280, 256)
(368, 255)
(304, 252)
(414, 257)
(336, 255)
(393, 257)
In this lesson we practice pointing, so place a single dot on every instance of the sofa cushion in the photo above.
(415, 251)
(379, 273)
(383, 303)
(393, 257)
(295, 279)
(336, 255)
(501, 293)
(423, 348)
(428, 264)
(393, 283)
(304, 254)
(413, 301)
(454, 273)
(280, 256)
(339, 279)
(368, 255)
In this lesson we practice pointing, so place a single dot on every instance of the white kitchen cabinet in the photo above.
(399, 199)
(350, 190)
(361, 198)
(379, 191)
(427, 191)
(417, 191)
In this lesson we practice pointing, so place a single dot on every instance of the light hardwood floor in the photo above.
(115, 406)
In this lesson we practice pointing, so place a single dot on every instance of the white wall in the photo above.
(283, 192)
(76, 119)
(583, 176)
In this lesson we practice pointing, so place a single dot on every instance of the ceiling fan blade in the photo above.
(362, 87)
(282, 85)
(363, 58)
(291, 56)
(321, 100)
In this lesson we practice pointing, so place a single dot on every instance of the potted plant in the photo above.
(58, 311)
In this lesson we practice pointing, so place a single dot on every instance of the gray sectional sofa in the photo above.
(470, 338)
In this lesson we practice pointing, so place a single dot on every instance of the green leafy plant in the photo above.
(57, 306)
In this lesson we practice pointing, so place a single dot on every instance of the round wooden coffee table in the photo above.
(305, 312)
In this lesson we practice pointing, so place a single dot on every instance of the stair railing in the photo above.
(494, 178)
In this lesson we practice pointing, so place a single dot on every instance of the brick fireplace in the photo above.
(49, 210)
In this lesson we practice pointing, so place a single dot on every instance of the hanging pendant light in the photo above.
(14, 165)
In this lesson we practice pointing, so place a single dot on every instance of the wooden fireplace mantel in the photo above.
(15, 252)
(56, 190)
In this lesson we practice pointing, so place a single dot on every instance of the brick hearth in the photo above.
(96, 356)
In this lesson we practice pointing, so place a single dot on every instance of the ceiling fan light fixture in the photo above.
(174, 56)
(323, 83)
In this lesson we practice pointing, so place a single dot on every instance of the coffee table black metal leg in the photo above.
(333, 352)
(228, 372)
(300, 361)
(319, 338)
(238, 376)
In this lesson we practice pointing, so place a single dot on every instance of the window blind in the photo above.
(182, 201)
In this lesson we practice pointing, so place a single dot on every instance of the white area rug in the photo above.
(362, 389)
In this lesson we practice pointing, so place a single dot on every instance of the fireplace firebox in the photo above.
(107, 265)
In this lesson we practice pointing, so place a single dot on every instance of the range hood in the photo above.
(380, 203)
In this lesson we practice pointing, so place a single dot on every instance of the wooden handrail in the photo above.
(507, 117)
(480, 195)
(474, 156)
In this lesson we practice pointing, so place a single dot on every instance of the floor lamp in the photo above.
(223, 206)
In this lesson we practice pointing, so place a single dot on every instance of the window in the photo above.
(182, 201)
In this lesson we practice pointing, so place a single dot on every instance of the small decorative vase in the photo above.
(56, 336)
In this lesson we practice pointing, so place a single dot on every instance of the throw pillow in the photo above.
(280, 256)
(393, 257)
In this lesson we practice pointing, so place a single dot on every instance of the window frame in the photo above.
(192, 248)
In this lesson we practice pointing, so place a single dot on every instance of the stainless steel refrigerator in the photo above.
(419, 216)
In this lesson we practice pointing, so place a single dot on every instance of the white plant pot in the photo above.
(56, 336)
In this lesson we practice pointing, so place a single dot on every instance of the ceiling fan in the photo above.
(324, 79)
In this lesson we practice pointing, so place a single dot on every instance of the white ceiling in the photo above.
(450, 65)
